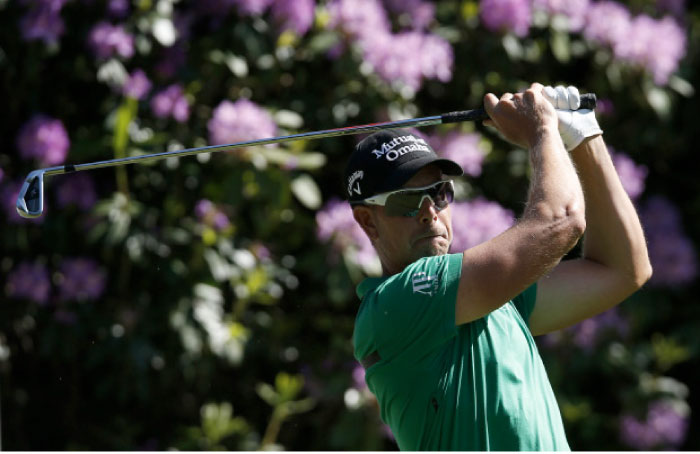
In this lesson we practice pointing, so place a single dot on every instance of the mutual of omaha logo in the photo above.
(400, 146)
(425, 284)
(358, 175)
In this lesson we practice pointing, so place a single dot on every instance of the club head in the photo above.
(30, 201)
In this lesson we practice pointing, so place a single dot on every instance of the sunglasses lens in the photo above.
(444, 195)
(407, 203)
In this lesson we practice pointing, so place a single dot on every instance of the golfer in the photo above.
(447, 339)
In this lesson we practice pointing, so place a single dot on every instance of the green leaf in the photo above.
(668, 352)
(681, 86)
(285, 159)
(307, 191)
(125, 114)
(268, 394)
(288, 386)
(659, 100)
(323, 41)
(560, 45)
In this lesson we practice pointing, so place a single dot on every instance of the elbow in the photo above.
(636, 276)
(642, 274)
(574, 225)
(578, 224)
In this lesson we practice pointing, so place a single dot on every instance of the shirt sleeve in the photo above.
(415, 309)
(525, 302)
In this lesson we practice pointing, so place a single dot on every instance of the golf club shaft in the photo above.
(30, 201)
(587, 101)
(410, 123)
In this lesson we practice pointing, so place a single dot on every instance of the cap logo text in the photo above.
(410, 144)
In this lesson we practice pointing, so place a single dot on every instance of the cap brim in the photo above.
(404, 172)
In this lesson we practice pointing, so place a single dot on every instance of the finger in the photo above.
(574, 97)
(506, 96)
(490, 102)
(537, 87)
(489, 123)
(550, 95)
(562, 98)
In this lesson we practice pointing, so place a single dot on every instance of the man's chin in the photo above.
(433, 248)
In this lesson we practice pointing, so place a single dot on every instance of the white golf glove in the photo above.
(574, 125)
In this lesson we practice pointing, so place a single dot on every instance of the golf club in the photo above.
(30, 201)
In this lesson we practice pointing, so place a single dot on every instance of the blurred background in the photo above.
(208, 302)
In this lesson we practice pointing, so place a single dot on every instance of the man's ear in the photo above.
(365, 217)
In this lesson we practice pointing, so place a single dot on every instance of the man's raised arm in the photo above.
(498, 270)
(615, 262)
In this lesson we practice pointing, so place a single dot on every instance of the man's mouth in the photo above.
(430, 235)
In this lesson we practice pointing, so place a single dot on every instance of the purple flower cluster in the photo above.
(635, 40)
(574, 11)
(137, 85)
(586, 333)
(290, 15)
(118, 9)
(45, 139)
(336, 224)
(631, 175)
(107, 40)
(478, 221)
(249, 7)
(409, 57)
(29, 281)
(406, 57)
(420, 13)
(81, 279)
(239, 121)
(665, 427)
(358, 377)
(359, 19)
(464, 149)
(43, 21)
(671, 252)
(507, 15)
(607, 23)
(211, 215)
(171, 102)
(78, 190)
(293, 15)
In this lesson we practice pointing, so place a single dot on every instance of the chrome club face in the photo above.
(30, 202)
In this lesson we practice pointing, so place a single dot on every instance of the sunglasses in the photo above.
(407, 202)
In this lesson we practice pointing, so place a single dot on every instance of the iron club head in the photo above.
(30, 202)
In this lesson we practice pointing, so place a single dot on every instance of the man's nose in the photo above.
(428, 211)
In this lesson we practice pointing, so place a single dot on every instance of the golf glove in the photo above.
(574, 125)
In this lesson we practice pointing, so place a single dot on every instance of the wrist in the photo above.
(589, 143)
(543, 133)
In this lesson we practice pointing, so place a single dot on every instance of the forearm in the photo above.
(614, 235)
(555, 191)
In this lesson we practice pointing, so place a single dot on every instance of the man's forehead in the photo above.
(425, 176)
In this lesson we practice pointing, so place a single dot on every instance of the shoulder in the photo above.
(425, 276)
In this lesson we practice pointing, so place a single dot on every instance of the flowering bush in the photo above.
(207, 303)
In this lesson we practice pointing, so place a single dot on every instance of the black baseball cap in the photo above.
(386, 160)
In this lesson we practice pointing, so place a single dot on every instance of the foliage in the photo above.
(150, 301)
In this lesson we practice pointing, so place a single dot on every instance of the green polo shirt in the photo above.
(478, 386)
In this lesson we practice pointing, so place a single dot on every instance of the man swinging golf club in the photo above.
(447, 339)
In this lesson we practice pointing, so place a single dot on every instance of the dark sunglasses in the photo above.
(407, 202)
